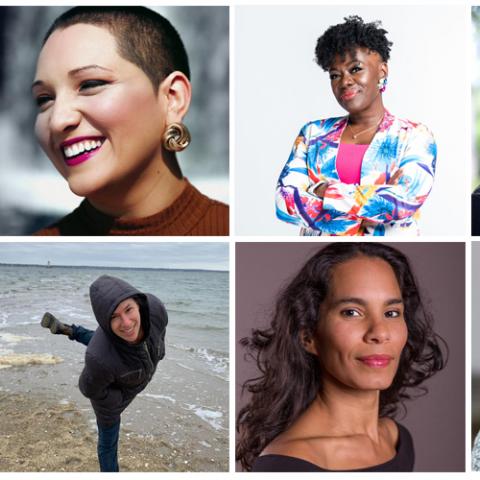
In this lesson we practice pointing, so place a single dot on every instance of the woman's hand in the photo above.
(395, 177)
(321, 189)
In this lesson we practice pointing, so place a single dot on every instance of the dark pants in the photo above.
(107, 446)
(81, 335)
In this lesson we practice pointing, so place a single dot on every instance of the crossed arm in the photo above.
(306, 198)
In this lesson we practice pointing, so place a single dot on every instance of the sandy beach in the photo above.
(39, 434)
(47, 426)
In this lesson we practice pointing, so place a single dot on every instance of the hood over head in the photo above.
(106, 292)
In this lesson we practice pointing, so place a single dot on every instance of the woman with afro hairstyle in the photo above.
(369, 172)
(348, 341)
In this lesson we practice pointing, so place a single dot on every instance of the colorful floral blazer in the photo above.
(396, 178)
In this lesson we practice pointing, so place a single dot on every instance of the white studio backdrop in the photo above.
(279, 88)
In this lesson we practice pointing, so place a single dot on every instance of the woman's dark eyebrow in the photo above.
(394, 301)
(361, 301)
(73, 72)
(354, 60)
(76, 71)
(36, 83)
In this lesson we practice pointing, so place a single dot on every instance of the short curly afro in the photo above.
(345, 37)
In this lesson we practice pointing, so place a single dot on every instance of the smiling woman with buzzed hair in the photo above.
(112, 87)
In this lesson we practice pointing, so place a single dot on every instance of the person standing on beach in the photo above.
(121, 357)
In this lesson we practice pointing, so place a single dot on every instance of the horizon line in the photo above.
(50, 265)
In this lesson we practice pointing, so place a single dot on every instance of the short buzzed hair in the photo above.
(144, 37)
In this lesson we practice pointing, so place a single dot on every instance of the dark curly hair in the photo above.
(345, 37)
(290, 377)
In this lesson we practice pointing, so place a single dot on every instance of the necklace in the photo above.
(355, 135)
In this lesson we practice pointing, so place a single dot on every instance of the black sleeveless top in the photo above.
(402, 462)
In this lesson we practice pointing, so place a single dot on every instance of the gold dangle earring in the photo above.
(176, 137)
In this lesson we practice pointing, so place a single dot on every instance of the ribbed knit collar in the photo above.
(177, 219)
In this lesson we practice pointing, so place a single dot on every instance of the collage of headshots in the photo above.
(214, 302)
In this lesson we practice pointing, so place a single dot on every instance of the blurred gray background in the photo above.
(32, 192)
(476, 98)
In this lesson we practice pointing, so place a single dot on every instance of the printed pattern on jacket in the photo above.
(396, 177)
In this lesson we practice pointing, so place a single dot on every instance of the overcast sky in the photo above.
(198, 255)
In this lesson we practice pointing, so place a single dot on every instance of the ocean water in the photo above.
(186, 402)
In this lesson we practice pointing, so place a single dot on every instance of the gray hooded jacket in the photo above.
(116, 371)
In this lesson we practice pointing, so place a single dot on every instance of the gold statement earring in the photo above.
(176, 137)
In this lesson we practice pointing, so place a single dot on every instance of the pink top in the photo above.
(349, 162)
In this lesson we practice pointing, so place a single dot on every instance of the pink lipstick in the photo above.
(376, 361)
(79, 149)
(348, 95)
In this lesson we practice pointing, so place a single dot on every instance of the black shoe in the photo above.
(55, 325)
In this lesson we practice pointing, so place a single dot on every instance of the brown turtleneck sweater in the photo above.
(192, 213)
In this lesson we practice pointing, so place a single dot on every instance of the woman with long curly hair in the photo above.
(366, 173)
(349, 340)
